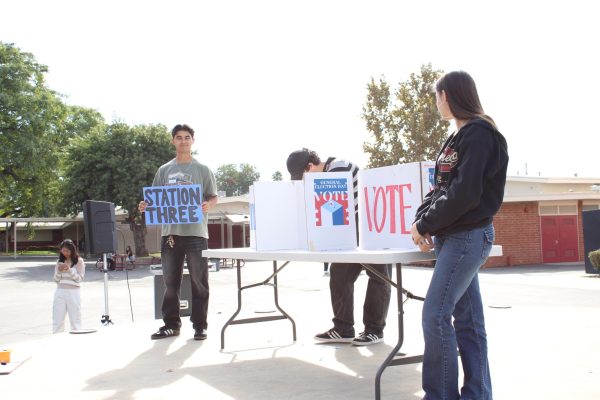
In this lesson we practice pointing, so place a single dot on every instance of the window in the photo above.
(548, 210)
(590, 207)
(567, 210)
(558, 208)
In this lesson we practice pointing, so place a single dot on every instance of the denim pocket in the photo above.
(488, 241)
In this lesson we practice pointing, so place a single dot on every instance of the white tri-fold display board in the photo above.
(318, 212)
(388, 199)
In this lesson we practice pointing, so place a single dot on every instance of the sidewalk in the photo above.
(543, 327)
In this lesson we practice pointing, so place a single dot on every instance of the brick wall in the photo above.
(518, 232)
(580, 230)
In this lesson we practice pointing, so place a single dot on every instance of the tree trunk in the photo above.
(139, 237)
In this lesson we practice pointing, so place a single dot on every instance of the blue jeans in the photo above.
(454, 292)
(172, 259)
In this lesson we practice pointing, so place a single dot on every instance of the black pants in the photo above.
(377, 299)
(172, 264)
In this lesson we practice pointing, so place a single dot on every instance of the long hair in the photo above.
(68, 243)
(462, 97)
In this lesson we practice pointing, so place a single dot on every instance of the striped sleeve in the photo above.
(346, 166)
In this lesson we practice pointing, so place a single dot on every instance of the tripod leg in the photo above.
(105, 318)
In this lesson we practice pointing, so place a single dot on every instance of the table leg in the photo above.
(391, 358)
(275, 293)
(239, 303)
(394, 352)
(233, 321)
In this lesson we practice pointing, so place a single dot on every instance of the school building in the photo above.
(539, 222)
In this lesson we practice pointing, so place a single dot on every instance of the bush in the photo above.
(595, 258)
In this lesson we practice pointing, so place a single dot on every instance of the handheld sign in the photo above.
(175, 204)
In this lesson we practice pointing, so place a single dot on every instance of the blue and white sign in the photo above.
(175, 204)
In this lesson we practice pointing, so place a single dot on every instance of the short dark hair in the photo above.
(182, 127)
(298, 161)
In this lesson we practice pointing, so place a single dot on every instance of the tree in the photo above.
(35, 128)
(277, 176)
(406, 128)
(113, 164)
(236, 180)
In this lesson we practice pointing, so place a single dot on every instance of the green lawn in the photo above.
(31, 253)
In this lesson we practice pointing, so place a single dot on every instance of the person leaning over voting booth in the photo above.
(181, 241)
(343, 275)
(470, 175)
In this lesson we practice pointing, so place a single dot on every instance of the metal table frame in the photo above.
(363, 257)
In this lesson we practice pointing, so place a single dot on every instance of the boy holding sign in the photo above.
(182, 192)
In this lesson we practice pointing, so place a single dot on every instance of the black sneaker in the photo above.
(333, 336)
(164, 332)
(200, 334)
(365, 339)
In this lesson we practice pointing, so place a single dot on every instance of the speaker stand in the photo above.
(105, 318)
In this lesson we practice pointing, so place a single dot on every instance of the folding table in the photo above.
(358, 256)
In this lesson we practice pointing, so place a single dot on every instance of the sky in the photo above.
(259, 79)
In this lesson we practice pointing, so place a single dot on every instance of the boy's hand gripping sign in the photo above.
(176, 204)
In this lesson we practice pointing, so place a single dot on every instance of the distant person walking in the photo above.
(470, 175)
(68, 274)
(130, 256)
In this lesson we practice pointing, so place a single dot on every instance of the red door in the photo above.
(559, 239)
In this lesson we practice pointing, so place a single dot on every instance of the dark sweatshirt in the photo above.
(470, 175)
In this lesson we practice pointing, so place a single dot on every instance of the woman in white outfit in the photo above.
(68, 274)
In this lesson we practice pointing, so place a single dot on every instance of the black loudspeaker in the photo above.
(185, 296)
(591, 237)
(99, 227)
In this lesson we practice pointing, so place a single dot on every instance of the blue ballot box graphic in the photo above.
(332, 213)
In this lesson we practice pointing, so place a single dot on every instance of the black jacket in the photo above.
(470, 175)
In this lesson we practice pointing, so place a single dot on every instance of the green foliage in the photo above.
(35, 129)
(236, 180)
(277, 176)
(595, 258)
(113, 164)
(407, 127)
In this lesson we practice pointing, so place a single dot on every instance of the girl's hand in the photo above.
(424, 242)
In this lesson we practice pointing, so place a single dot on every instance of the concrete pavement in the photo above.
(543, 327)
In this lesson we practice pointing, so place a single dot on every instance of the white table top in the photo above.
(387, 256)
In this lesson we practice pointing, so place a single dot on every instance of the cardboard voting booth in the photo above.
(427, 177)
(277, 216)
(330, 210)
(316, 213)
(388, 199)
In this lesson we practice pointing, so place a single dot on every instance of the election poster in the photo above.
(330, 211)
(388, 200)
(174, 204)
(427, 177)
